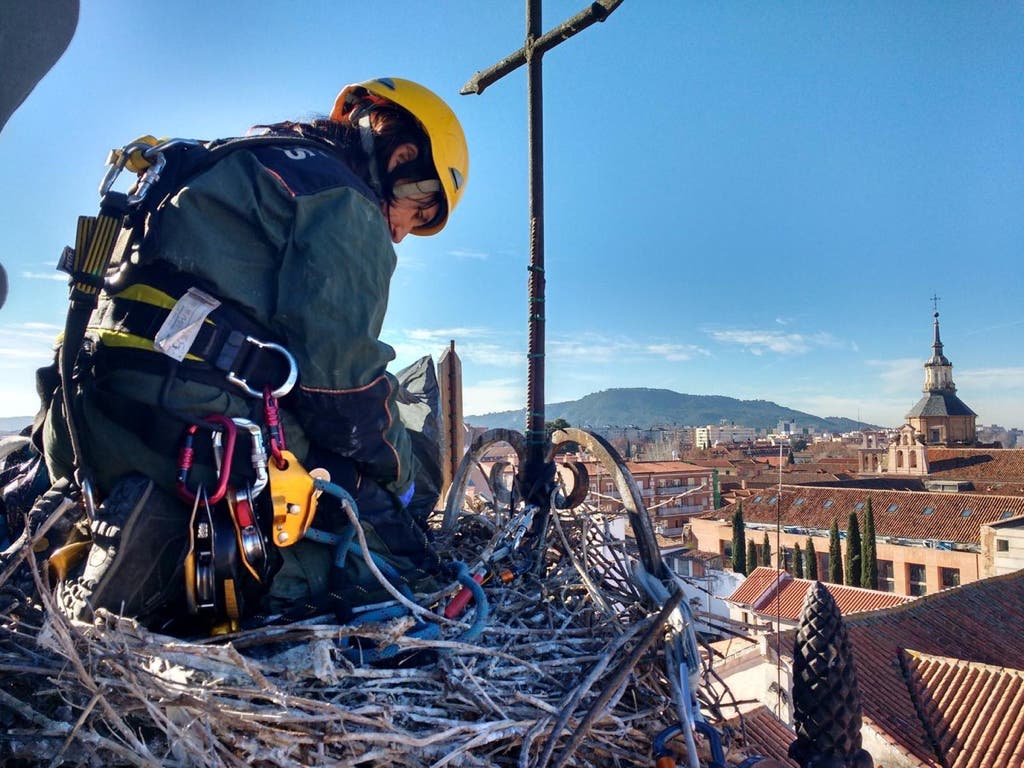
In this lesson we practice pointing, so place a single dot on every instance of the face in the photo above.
(407, 213)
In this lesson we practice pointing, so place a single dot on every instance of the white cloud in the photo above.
(760, 341)
(56, 276)
(464, 253)
(1010, 379)
(901, 375)
(493, 395)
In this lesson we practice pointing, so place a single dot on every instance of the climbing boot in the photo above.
(134, 565)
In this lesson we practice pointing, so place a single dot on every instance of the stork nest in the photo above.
(569, 671)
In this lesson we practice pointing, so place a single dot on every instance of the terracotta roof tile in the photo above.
(771, 593)
(973, 713)
(979, 622)
(764, 734)
(953, 517)
(1001, 465)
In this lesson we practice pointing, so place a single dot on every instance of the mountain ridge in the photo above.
(646, 407)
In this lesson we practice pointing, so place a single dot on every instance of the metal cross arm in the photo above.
(536, 472)
(597, 11)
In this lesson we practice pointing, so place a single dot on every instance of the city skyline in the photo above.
(756, 202)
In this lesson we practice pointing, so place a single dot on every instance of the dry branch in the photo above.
(568, 666)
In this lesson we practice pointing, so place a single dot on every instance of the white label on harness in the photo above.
(183, 324)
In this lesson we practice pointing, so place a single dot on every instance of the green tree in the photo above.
(869, 558)
(835, 555)
(559, 423)
(751, 555)
(766, 552)
(739, 541)
(798, 561)
(812, 560)
(853, 551)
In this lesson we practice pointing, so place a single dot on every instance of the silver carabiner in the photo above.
(286, 385)
(258, 453)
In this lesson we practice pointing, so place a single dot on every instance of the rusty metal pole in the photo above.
(536, 475)
(535, 438)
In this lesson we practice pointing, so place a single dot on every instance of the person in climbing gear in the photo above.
(274, 259)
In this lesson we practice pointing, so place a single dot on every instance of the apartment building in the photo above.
(925, 541)
(673, 492)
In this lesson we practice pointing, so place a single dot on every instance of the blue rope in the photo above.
(346, 543)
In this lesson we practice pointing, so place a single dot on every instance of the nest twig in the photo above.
(565, 673)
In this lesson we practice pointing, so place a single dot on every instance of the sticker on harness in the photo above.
(183, 324)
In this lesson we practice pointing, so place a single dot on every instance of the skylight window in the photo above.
(827, 504)
(893, 507)
(965, 513)
(799, 502)
(773, 499)
(1006, 515)
(757, 499)
(929, 511)
(859, 505)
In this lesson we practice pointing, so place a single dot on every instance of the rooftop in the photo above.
(773, 593)
(972, 627)
(917, 515)
(973, 713)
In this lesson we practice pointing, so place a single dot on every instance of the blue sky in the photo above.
(749, 199)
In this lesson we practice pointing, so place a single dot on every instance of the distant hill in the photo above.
(645, 408)
(12, 425)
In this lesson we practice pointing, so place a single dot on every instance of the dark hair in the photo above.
(392, 126)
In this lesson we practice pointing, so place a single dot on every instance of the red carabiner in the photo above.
(272, 416)
(187, 454)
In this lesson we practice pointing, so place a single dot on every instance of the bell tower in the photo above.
(940, 417)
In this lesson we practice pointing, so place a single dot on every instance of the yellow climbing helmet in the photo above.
(447, 141)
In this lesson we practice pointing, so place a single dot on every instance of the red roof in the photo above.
(978, 464)
(973, 712)
(954, 517)
(762, 733)
(979, 622)
(776, 594)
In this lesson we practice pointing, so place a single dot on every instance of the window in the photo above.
(757, 499)
(929, 511)
(1002, 545)
(773, 499)
(950, 577)
(827, 504)
(822, 566)
(965, 513)
(893, 507)
(859, 505)
(886, 576)
(1006, 515)
(799, 502)
(916, 580)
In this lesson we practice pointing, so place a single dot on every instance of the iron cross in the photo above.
(531, 54)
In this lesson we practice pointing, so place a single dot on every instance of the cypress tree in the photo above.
(835, 555)
(812, 560)
(751, 555)
(853, 551)
(766, 552)
(798, 561)
(869, 559)
(739, 541)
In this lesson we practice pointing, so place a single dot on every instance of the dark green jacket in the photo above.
(293, 238)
